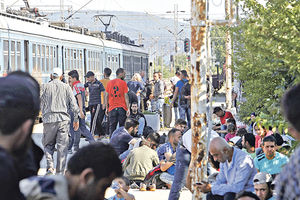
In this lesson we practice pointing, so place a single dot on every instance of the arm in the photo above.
(127, 104)
(106, 102)
(80, 104)
(243, 174)
(175, 95)
(165, 165)
(126, 195)
(127, 161)
(74, 107)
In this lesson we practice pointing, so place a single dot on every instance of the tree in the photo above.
(267, 55)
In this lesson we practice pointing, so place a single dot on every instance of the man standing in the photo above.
(174, 81)
(117, 101)
(270, 161)
(236, 171)
(122, 136)
(56, 99)
(104, 81)
(19, 107)
(184, 110)
(288, 184)
(137, 115)
(79, 93)
(96, 106)
(157, 95)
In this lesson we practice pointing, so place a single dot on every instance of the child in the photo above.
(231, 132)
(121, 187)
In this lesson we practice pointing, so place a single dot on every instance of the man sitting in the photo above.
(248, 143)
(270, 161)
(122, 136)
(137, 115)
(236, 171)
(90, 171)
(167, 156)
(180, 124)
(142, 159)
(223, 115)
(262, 186)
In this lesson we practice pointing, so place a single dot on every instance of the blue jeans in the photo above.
(185, 113)
(75, 135)
(176, 112)
(183, 158)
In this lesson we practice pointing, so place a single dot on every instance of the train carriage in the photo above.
(37, 47)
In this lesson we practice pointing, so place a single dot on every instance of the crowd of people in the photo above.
(244, 161)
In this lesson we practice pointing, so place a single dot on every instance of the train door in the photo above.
(26, 55)
(119, 61)
(63, 58)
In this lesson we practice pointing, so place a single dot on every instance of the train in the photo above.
(37, 46)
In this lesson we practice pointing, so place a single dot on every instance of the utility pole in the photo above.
(198, 94)
(229, 17)
(62, 10)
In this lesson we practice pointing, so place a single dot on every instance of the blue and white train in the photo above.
(37, 47)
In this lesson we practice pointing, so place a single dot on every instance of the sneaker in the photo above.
(50, 171)
(142, 187)
(152, 187)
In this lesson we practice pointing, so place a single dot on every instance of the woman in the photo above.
(135, 85)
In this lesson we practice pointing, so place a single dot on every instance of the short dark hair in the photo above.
(241, 132)
(184, 73)
(250, 138)
(177, 72)
(134, 102)
(231, 121)
(107, 71)
(269, 138)
(20, 100)
(172, 132)
(119, 71)
(231, 128)
(155, 137)
(180, 122)
(74, 74)
(130, 122)
(217, 109)
(126, 180)
(290, 105)
(100, 157)
(246, 194)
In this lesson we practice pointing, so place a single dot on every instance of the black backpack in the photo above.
(185, 91)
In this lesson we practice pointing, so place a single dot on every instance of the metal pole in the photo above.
(210, 91)
(228, 11)
(62, 10)
(198, 94)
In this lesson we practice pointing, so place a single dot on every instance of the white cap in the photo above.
(57, 72)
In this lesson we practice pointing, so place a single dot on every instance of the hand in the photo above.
(151, 96)
(172, 104)
(82, 116)
(103, 106)
(205, 187)
(128, 113)
(75, 125)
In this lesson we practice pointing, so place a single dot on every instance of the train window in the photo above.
(38, 57)
(108, 58)
(43, 58)
(34, 57)
(116, 59)
(80, 59)
(5, 53)
(12, 55)
(51, 59)
(112, 59)
(47, 58)
(19, 55)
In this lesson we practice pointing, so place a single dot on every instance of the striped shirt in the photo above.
(56, 98)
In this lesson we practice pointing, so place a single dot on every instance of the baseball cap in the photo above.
(262, 177)
(89, 74)
(57, 72)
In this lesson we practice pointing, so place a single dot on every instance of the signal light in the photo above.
(186, 45)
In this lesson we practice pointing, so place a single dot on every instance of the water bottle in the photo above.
(115, 185)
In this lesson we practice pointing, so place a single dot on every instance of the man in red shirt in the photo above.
(117, 101)
(223, 115)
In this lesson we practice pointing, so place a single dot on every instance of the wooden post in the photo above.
(198, 94)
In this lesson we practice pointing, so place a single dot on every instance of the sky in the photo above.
(158, 7)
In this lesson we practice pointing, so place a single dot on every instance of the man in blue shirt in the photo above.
(121, 137)
(270, 161)
(236, 171)
(184, 109)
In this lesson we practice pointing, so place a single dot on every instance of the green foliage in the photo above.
(267, 56)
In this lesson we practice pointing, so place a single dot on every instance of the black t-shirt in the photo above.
(9, 183)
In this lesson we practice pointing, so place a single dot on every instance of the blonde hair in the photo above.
(136, 77)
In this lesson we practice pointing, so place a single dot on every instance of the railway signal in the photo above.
(186, 45)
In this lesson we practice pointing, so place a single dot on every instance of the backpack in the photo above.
(153, 178)
(185, 91)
